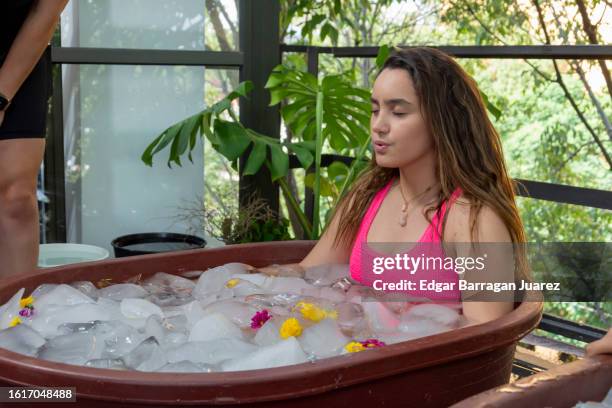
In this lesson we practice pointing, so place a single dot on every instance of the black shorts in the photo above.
(26, 115)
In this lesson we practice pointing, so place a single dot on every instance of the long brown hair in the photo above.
(469, 150)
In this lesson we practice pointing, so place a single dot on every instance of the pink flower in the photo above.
(371, 343)
(259, 318)
(26, 312)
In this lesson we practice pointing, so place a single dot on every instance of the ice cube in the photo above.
(210, 352)
(239, 313)
(271, 300)
(108, 363)
(181, 367)
(257, 279)
(245, 288)
(420, 327)
(122, 291)
(214, 279)
(174, 339)
(165, 282)
(47, 320)
(75, 348)
(10, 309)
(428, 319)
(379, 317)
(437, 313)
(332, 295)
(153, 327)
(68, 328)
(171, 311)
(351, 318)
(223, 294)
(214, 326)
(42, 289)
(176, 323)
(194, 312)
(285, 352)
(139, 309)
(281, 284)
(21, 339)
(113, 307)
(62, 295)
(147, 356)
(323, 339)
(87, 288)
(326, 274)
(165, 299)
(119, 338)
(268, 333)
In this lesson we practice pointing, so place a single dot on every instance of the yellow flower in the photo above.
(26, 301)
(314, 312)
(290, 327)
(354, 347)
(15, 322)
(332, 315)
(231, 283)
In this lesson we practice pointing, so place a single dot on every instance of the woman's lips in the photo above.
(380, 147)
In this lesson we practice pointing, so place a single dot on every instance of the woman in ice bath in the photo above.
(437, 175)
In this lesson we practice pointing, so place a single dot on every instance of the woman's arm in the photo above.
(28, 46)
(499, 262)
(322, 253)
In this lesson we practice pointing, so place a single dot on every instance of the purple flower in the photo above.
(26, 312)
(371, 343)
(259, 318)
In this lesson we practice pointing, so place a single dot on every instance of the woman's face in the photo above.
(398, 130)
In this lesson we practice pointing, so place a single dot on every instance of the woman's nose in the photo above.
(379, 124)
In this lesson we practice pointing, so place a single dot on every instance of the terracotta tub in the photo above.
(561, 387)
(435, 371)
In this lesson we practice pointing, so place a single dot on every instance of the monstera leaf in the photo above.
(346, 109)
(228, 140)
(329, 110)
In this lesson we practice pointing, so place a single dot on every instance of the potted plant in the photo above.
(329, 110)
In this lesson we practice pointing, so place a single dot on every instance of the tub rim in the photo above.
(540, 383)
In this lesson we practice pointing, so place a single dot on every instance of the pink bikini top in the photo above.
(361, 260)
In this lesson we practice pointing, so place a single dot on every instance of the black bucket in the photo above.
(154, 243)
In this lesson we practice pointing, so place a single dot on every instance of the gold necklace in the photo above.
(404, 217)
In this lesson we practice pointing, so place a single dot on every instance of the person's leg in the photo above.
(20, 161)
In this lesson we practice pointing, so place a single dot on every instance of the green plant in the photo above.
(327, 111)
(255, 222)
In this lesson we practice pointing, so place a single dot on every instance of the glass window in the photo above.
(151, 24)
(111, 114)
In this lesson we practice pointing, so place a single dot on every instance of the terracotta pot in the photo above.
(560, 387)
(433, 371)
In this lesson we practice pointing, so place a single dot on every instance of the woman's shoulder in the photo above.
(490, 227)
